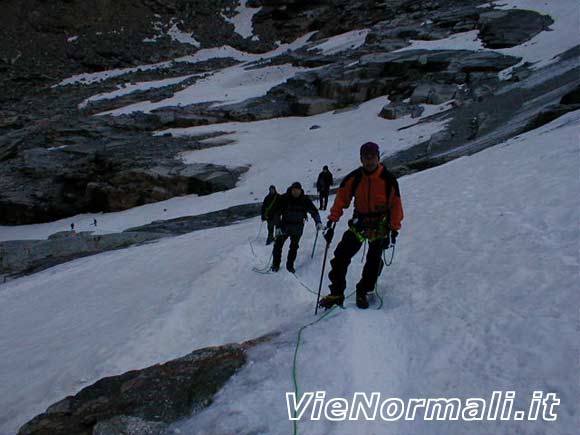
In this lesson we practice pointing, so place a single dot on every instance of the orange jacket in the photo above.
(370, 196)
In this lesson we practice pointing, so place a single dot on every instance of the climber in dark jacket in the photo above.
(323, 186)
(267, 205)
(289, 214)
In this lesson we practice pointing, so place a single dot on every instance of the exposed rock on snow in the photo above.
(161, 393)
(503, 29)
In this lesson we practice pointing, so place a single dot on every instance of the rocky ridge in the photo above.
(58, 160)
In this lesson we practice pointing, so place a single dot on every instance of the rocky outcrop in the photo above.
(399, 110)
(124, 425)
(504, 29)
(187, 224)
(476, 124)
(568, 103)
(424, 76)
(58, 160)
(47, 184)
(142, 401)
(21, 257)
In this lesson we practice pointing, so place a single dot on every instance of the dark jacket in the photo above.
(324, 181)
(267, 204)
(289, 213)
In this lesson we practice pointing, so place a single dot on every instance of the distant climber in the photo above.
(323, 186)
(267, 204)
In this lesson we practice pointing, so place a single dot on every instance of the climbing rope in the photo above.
(264, 268)
(326, 316)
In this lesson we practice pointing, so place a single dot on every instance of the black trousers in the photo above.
(292, 252)
(345, 250)
(323, 199)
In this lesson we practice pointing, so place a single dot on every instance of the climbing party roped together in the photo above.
(377, 217)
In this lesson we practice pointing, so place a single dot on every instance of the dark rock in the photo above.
(307, 106)
(124, 425)
(187, 224)
(399, 110)
(572, 97)
(433, 93)
(504, 29)
(550, 113)
(87, 176)
(160, 393)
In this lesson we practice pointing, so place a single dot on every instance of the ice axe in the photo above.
(314, 247)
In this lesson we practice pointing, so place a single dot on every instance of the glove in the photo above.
(328, 232)
(394, 234)
(319, 226)
(263, 218)
(386, 243)
(391, 239)
(277, 232)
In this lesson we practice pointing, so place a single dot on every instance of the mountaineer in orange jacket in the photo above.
(378, 212)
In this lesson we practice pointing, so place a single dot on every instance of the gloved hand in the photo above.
(319, 226)
(328, 232)
(391, 239)
(263, 218)
(386, 242)
(277, 232)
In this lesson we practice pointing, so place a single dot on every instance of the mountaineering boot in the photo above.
(330, 300)
(290, 268)
(361, 301)
(275, 268)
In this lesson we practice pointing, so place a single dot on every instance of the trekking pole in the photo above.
(314, 247)
(322, 273)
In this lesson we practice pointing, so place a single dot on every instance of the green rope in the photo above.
(325, 316)
(264, 268)
(298, 342)
(255, 239)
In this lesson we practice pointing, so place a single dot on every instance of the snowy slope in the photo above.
(480, 297)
